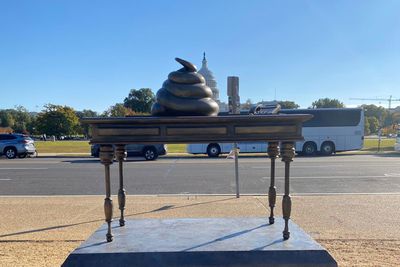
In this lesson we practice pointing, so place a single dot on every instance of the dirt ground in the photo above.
(43, 231)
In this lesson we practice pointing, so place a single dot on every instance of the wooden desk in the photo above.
(278, 130)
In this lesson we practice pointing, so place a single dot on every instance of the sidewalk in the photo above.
(358, 230)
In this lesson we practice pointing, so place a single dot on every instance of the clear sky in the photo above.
(89, 54)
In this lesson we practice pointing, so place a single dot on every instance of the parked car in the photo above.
(16, 145)
(397, 145)
(149, 152)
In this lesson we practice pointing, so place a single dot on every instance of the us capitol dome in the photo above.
(210, 79)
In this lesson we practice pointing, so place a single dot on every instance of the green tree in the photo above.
(367, 130)
(327, 103)
(375, 111)
(288, 104)
(58, 120)
(140, 101)
(86, 113)
(380, 113)
(6, 119)
(32, 125)
(396, 117)
(373, 125)
(22, 119)
(19, 119)
(118, 110)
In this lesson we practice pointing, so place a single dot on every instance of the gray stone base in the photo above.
(201, 242)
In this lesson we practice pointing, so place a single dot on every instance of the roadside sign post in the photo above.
(379, 139)
(235, 148)
(234, 108)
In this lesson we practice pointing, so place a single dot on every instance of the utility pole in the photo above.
(234, 108)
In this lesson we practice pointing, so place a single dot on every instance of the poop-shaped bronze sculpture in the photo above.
(185, 93)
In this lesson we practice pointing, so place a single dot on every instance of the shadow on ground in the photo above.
(163, 208)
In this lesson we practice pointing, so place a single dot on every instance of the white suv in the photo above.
(13, 145)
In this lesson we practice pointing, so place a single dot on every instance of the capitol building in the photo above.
(212, 83)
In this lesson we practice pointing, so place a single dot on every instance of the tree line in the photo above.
(58, 120)
(376, 117)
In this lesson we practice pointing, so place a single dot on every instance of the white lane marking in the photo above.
(338, 177)
(5, 179)
(293, 194)
(24, 168)
(392, 174)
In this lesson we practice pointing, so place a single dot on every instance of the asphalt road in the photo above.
(349, 174)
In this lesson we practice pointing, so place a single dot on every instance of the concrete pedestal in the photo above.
(200, 242)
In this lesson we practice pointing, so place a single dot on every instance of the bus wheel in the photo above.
(309, 148)
(327, 148)
(213, 150)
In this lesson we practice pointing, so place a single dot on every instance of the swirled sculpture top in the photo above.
(185, 93)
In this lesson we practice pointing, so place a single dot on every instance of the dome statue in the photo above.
(209, 77)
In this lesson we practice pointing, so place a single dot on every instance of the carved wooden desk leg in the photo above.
(106, 158)
(287, 154)
(273, 152)
(120, 153)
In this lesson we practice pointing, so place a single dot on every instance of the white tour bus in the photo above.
(330, 130)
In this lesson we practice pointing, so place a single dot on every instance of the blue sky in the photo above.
(89, 54)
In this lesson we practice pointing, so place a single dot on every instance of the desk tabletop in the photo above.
(196, 129)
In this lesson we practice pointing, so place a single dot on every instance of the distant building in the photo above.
(210, 79)
(212, 83)
(223, 107)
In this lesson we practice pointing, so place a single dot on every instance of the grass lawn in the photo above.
(62, 147)
(177, 148)
(386, 144)
(84, 147)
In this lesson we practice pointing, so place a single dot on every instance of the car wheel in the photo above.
(213, 150)
(309, 149)
(10, 152)
(327, 148)
(22, 156)
(150, 153)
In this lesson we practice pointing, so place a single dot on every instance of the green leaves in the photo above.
(58, 120)
(140, 101)
(327, 103)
